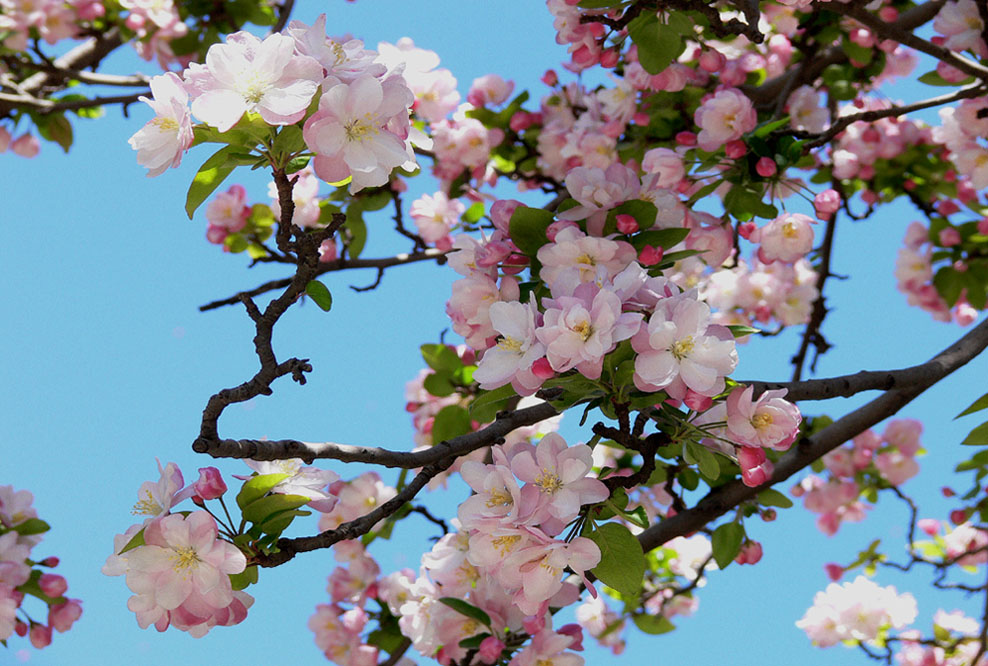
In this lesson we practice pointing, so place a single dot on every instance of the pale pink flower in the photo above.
(896, 467)
(667, 164)
(548, 649)
(769, 421)
(229, 210)
(857, 610)
(62, 616)
(517, 348)
(162, 141)
(599, 189)
(360, 130)
(805, 112)
(787, 238)
(356, 498)
(556, 480)
(536, 570)
(436, 95)
(248, 75)
(904, 434)
(724, 117)
(435, 215)
(346, 59)
(960, 22)
(679, 349)
(573, 252)
(489, 89)
(155, 499)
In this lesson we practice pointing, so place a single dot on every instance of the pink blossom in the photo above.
(228, 210)
(62, 616)
(574, 256)
(895, 467)
(248, 75)
(724, 117)
(40, 635)
(357, 497)
(435, 215)
(157, 498)
(305, 196)
(548, 649)
(667, 164)
(805, 112)
(858, 610)
(162, 141)
(210, 484)
(536, 570)
(343, 58)
(598, 189)
(360, 131)
(756, 469)
(769, 421)
(786, 238)
(517, 348)
(53, 585)
(26, 145)
(306, 481)
(679, 349)
(489, 89)
(961, 23)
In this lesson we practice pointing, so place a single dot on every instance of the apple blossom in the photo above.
(162, 141)
(770, 421)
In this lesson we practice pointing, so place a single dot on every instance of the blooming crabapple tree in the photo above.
(689, 205)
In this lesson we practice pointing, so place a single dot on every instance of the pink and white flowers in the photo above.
(162, 141)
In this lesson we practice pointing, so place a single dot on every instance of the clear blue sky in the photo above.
(107, 364)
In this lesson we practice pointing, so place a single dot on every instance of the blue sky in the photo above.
(108, 364)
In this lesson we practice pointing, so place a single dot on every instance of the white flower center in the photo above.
(680, 349)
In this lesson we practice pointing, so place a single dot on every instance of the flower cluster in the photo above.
(857, 611)
(22, 577)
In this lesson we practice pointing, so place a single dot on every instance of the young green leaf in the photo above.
(319, 294)
(210, 175)
(451, 421)
(257, 487)
(976, 406)
(488, 403)
(622, 562)
(527, 227)
(772, 497)
(469, 610)
(978, 436)
(726, 542)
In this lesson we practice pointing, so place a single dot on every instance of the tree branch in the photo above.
(329, 267)
(724, 498)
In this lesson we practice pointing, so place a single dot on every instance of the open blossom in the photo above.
(161, 142)
(180, 577)
(489, 89)
(574, 256)
(248, 75)
(517, 348)
(228, 210)
(679, 349)
(157, 498)
(435, 215)
(858, 610)
(308, 482)
(360, 130)
(724, 117)
(770, 421)
(787, 238)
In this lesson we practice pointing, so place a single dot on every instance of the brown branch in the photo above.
(812, 333)
(51, 106)
(726, 497)
(329, 267)
(284, 13)
(309, 451)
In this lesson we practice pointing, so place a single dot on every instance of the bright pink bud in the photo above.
(210, 484)
(868, 196)
(542, 369)
(909, 185)
(20, 629)
(550, 78)
(490, 650)
(947, 207)
(983, 226)
(745, 229)
(50, 561)
(712, 61)
(947, 492)
(826, 203)
(62, 616)
(53, 585)
(40, 636)
(576, 631)
(216, 234)
(686, 138)
(756, 469)
(958, 516)
(966, 192)
(649, 256)
(766, 167)
(929, 525)
(735, 149)
(834, 571)
(626, 224)
(769, 515)
(949, 237)
(797, 491)
(751, 553)
(609, 58)
(888, 14)
(641, 119)
(697, 402)
(520, 120)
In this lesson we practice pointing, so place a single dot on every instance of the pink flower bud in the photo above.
(641, 119)
(557, 226)
(520, 121)
(40, 636)
(947, 492)
(626, 224)
(50, 561)
(947, 207)
(550, 78)
(766, 167)
(649, 256)
(62, 616)
(769, 515)
(712, 61)
(909, 185)
(53, 585)
(735, 149)
(929, 526)
(826, 203)
(834, 571)
(868, 196)
(5, 139)
(533, 624)
(697, 402)
(210, 484)
(797, 491)
(960, 266)
(26, 145)
(576, 632)
(20, 629)
(888, 14)
(958, 516)
(490, 650)
(542, 369)
(751, 553)
(686, 138)
(216, 235)
(949, 237)
(745, 229)
(756, 469)
(609, 58)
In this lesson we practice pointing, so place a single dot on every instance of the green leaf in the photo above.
(740, 331)
(473, 641)
(653, 624)
(319, 294)
(488, 403)
(440, 358)
(978, 436)
(451, 421)
(658, 44)
(278, 522)
(622, 562)
(772, 497)
(56, 127)
(136, 541)
(438, 384)
(932, 78)
(527, 228)
(358, 230)
(949, 284)
(210, 175)
(664, 238)
(704, 458)
(257, 487)
(389, 641)
(727, 540)
(288, 141)
(473, 213)
(976, 406)
(765, 129)
(246, 577)
(644, 213)
(681, 23)
(31, 526)
(470, 611)
(260, 510)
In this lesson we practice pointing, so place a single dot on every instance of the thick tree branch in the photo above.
(309, 451)
(724, 498)
(329, 267)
